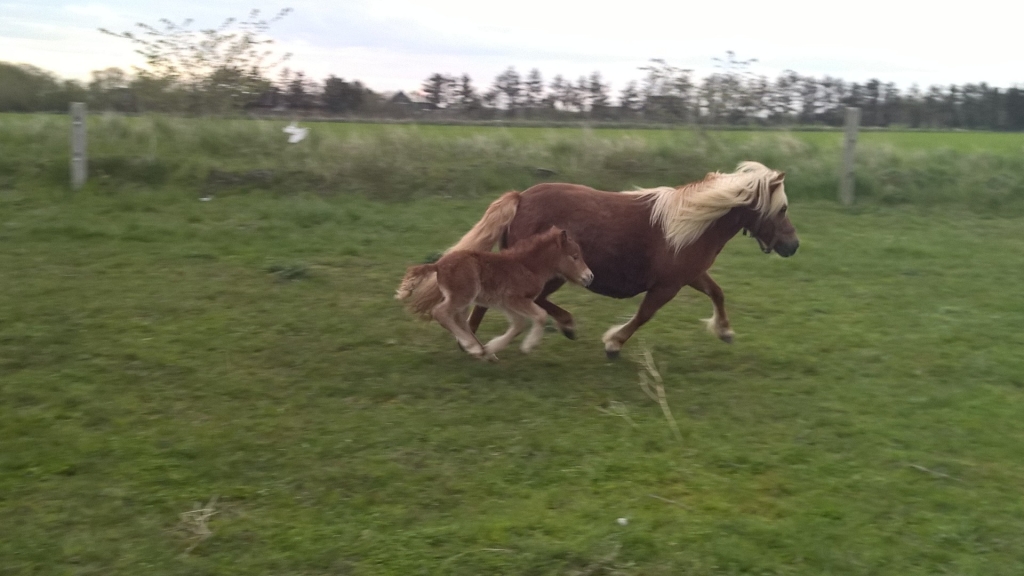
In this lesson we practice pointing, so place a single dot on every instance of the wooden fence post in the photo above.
(849, 145)
(79, 158)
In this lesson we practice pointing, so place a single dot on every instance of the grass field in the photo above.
(157, 351)
(964, 141)
(981, 172)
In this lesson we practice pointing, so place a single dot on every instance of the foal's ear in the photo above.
(563, 238)
(776, 181)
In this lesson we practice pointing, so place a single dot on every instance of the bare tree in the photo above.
(668, 91)
(222, 68)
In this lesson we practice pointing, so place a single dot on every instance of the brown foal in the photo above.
(510, 281)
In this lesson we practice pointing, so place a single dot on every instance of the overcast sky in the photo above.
(396, 44)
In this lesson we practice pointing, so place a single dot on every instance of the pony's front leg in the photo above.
(718, 324)
(616, 336)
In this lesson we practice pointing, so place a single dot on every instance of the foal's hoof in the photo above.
(727, 338)
(612, 354)
(569, 333)
(489, 358)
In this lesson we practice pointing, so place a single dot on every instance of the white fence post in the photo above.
(849, 145)
(79, 159)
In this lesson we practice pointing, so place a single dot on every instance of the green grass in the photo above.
(981, 172)
(156, 351)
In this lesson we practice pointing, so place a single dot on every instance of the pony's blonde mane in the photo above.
(684, 213)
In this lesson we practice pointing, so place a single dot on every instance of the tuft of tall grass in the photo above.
(401, 162)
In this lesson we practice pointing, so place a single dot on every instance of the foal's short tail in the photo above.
(413, 277)
(481, 237)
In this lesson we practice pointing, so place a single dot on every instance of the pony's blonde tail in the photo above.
(425, 294)
(412, 279)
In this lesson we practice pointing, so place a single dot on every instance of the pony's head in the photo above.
(753, 193)
(768, 220)
(570, 258)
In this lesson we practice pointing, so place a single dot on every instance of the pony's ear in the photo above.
(776, 181)
(563, 237)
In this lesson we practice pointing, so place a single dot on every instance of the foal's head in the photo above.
(773, 229)
(570, 258)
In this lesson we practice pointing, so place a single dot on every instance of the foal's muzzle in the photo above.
(587, 278)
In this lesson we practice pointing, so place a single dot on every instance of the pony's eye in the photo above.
(784, 208)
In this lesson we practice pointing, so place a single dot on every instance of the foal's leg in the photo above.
(616, 336)
(516, 325)
(562, 317)
(718, 324)
(451, 315)
(534, 312)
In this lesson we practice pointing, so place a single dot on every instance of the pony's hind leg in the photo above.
(477, 317)
(718, 324)
(562, 317)
(516, 325)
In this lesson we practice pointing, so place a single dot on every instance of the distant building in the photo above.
(413, 102)
(400, 99)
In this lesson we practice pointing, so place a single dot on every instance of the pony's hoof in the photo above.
(727, 338)
(569, 333)
(489, 358)
(612, 354)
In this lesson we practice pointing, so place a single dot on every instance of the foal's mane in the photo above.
(684, 213)
(534, 241)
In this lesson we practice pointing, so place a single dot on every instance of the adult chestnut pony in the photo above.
(655, 240)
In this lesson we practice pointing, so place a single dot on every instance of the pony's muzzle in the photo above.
(787, 249)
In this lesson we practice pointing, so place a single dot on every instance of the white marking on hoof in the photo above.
(610, 343)
(496, 345)
(529, 345)
(533, 338)
(723, 333)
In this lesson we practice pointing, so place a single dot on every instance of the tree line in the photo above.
(232, 70)
(665, 95)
